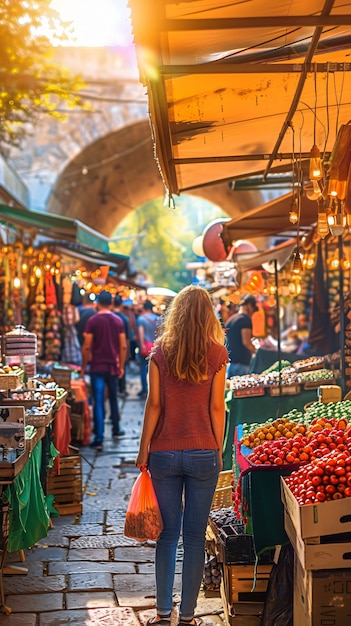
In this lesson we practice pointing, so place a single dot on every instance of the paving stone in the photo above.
(149, 568)
(115, 529)
(106, 541)
(118, 513)
(139, 590)
(36, 602)
(88, 554)
(34, 568)
(92, 517)
(119, 616)
(79, 530)
(76, 567)
(40, 553)
(26, 619)
(62, 520)
(55, 538)
(29, 584)
(90, 599)
(137, 554)
(93, 580)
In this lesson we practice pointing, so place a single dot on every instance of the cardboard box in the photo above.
(314, 520)
(322, 598)
(318, 556)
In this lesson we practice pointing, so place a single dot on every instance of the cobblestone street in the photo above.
(86, 571)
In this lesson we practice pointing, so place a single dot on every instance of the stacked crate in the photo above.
(321, 537)
(65, 483)
(244, 582)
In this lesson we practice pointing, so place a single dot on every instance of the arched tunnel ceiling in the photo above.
(118, 173)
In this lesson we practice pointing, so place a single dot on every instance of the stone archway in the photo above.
(118, 173)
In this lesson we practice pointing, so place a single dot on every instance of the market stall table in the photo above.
(258, 409)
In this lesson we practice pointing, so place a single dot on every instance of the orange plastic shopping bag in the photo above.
(143, 518)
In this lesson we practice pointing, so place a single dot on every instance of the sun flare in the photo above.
(96, 23)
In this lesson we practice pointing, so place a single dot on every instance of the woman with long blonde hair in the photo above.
(182, 439)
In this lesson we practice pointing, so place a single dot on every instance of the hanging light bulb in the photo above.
(296, 265)
(332, 187)
(16, 282)
(293, 213)
(316, 167)
(345, 264)
(322, 224)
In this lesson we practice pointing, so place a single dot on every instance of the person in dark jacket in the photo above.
(239, 337)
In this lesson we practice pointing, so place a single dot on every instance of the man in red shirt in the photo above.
(105, 349)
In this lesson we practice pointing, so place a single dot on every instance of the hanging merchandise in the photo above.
(37, 312)
(71, 351)
(20, 348)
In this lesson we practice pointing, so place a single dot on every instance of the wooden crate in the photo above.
(62, 376)
(245, 582)
(67, 486)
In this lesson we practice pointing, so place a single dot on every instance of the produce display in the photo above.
(307, 371)
(14, 370)
(316, 443)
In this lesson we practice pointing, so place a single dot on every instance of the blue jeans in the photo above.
(98, 382)
(144, 366)
(184, 482)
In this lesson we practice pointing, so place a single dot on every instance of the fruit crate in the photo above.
(67, 485)
(245, 583)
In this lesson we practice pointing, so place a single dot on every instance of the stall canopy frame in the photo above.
(229, 83)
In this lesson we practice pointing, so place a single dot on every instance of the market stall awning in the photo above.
(54, 226)
(67, 236)
(241, 88)
(277, 256)
(268, 220)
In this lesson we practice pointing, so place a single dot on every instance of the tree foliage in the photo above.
(164, 237)
(30, 83)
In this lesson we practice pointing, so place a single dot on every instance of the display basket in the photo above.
(11, 381)
(40, 419)
(223, 498)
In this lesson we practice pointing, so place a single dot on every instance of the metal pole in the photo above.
(342, 315)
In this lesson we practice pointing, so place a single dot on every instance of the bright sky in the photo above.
(97, 22)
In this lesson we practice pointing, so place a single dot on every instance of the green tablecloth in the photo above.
(28, 513)
(258, 409)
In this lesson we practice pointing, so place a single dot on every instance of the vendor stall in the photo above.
(258, 409)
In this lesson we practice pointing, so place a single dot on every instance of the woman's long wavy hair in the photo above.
(188, 327)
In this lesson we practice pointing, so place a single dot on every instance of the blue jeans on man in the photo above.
(184, 482)
(98, 382)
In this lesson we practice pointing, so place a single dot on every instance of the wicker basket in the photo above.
(222, 498)
(11, 381)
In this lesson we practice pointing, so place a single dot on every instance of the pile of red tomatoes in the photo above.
(319, 453)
